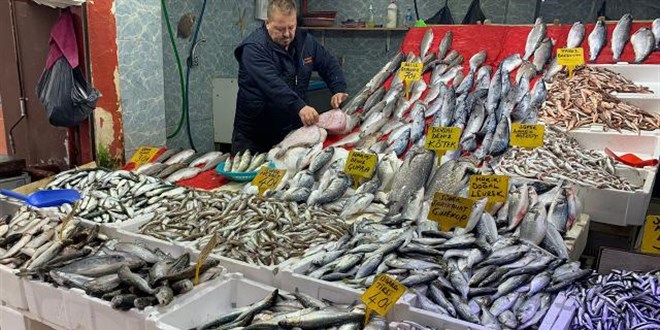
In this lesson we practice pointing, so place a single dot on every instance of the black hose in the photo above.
(416, 10)
(188, 67)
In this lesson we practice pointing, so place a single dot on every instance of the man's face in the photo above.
(282, 28)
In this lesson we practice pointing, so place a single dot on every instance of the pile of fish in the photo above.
(249, 228)
(78, 256)
(585, 99)
(113, 196)
(175, 165)
(562, 158)
(295, 311)
(477, 270)
(619, 300)
(607, 80)
(245, 162)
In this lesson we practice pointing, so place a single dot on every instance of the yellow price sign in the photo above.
(143, 155)
(570, 57)
(442, 138)
(527, 135)
(268, 178)
(361, 164)
(382, 295)
(450, 211)
(208, 248)
(409, 72)
(495, 187)
(651, 238)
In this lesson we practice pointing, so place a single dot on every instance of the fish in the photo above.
(575, 35)
(412, 175)
(542, 54)
(304, 136)
(620, 36)
(534, 38)
(512, 62)
(482, 81)
(256, 162)
(204, 159)
(373, 99)
(418, 122)
(183, 174)
(458, 79)
(180, 156)
(356, 204)
(450, 57)
(597, 40)
(466, 84)
(655, 28)
(333, 121)
(349, 140)
(643, 43)
(426, 42)
(477, 60)
(445, 44)
(527, 70)
(357, 102)
(336, 189)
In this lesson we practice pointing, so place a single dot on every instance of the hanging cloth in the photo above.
(62, 89)
(443, 16)
(474, 14)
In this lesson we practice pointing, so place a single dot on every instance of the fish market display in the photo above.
(562, 158)
(173, 166)
(245, 162)
(78, 256)
(619, 300)
(585, 99)
(250, 228)
(279, 310)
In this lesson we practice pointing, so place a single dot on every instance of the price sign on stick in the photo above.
(527, 135)
(442, 139)
(570, 57)
(382, 295)
(495, 187)
(360, 165)
(409, 72)
(267, 178)
(450, 211)
(651, 238)
(143, 155)
(204, 254)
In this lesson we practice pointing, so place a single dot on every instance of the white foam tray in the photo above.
(12, 291)
(645, 146)
(73, 309)
(642, 74)
(11, 319)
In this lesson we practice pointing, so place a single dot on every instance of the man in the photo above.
(275, 65)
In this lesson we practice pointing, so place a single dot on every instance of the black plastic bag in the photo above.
(66, 95)
(474, 14)
(601, 11)
(443, 16)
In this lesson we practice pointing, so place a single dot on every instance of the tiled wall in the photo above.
(140, 73)
(361, 53)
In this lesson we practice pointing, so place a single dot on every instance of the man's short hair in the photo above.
(286, 7)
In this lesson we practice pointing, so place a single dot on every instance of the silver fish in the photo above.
(597, 40)
(575, 35)
(426, 42)
(542, 54)
(477, 60)
(534, 38)
(643, 43)
(620, 36)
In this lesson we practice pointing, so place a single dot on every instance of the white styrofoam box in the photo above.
(645, 146)
(618, 207)
(259, 273)
(560, 315)
(231, 292)
(12, 291)
(642, 74)
(576, 238)
(292, 279)
(647, 102)
(46, 302)
(11, 319)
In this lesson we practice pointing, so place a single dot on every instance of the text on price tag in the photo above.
(651, 238)
(361, 164)
(450, 211)
(204, 254)
(410, 71)
(267, 179)
(495, 187)
(527, 135)
(570, 57)
(443, 138)
(143, 155)
(382, 295)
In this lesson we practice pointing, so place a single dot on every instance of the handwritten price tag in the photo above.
(204, 254)
(495, 187)
(268, 178)
(651, 238)
(527, 135)
(361, 164)
(570, 57)
(450, 211)
(409, 72)
(443, 138)
(382, 295)
(143, 155)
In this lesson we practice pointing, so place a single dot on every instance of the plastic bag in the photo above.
(474, 14)
(66, 95)
(443, 16)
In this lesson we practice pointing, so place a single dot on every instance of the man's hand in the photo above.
(337, 99)
(308, 115)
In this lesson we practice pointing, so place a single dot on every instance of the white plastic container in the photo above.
(642, 74)
(11, 319)
(12, 291)
(231, 292)
(49, 303)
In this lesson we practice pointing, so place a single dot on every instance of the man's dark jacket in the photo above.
(272, 87)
